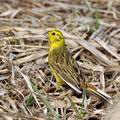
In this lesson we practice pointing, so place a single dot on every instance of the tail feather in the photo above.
(100, 93)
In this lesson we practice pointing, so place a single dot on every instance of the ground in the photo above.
(92, 34)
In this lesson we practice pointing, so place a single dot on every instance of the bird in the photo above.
(65, 68)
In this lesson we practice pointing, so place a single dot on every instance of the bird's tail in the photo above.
(92, 89)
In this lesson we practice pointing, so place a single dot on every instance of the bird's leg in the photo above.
(59, 83)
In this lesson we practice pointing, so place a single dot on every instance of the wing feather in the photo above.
(66, 68)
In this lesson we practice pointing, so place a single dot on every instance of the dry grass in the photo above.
(92, 33)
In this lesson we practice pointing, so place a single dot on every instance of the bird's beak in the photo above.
(45, 34)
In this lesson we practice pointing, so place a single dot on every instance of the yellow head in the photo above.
(56, 39)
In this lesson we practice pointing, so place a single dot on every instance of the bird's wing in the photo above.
(68, 72)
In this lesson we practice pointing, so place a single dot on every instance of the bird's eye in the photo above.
(53, 33)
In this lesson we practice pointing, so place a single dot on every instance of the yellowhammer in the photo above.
(65, 68)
